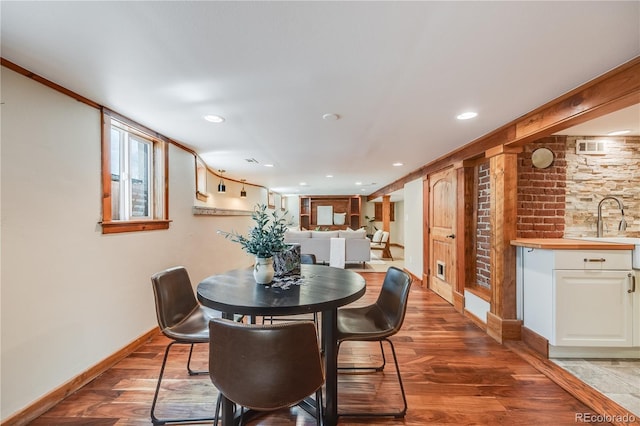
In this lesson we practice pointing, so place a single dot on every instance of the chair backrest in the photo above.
(265, 367)
(173, 295)
(393, 297)
(308, 258)
(377, 236)
(385, 237)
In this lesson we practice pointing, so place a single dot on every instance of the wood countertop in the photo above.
(569, 244)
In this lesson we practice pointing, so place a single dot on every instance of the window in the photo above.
(201, 180)
(271, 200)
(134, 176)
(378, 212)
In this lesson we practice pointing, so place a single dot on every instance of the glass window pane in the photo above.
(116, 181)
(140, 163)
(116, 136)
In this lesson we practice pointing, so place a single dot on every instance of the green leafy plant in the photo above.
(371, 223)
(266, 237)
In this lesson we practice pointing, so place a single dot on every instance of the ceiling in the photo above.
(396, 73)
(622, 120)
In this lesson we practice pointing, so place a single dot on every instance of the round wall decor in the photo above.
(542, 158)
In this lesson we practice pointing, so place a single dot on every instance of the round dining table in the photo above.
(319, 288)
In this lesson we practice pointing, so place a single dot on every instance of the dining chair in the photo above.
(308, 258)
(265, 367)
(183, 320)
(378, 322)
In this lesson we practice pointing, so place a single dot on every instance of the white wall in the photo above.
(413, 220)
(293, 207)
(72, 296)
(396, 227)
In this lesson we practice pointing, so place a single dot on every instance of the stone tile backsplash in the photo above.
(591, 177)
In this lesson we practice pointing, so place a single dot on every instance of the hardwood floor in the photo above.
(453, 374)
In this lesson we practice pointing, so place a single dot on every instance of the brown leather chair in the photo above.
(378, 322)
(308, 258)
(182, 319)
(266, 367)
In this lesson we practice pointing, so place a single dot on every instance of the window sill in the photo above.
(134, 226)
(482, 292)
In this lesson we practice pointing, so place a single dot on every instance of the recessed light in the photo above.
(331, 117)
(329, 176)
(358, 183)
(618, 132)
(268, 165)
(467, 115)
(398, 164)
(212, 118)
(303, 183)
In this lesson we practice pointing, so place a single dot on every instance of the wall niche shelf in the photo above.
(351, 205)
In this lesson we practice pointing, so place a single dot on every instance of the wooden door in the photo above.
(442, 222)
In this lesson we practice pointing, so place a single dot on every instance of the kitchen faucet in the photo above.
(623, 223)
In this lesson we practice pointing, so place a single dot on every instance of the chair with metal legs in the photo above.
(378, 322)
(308, 258)
(266, 367)
(183, 320)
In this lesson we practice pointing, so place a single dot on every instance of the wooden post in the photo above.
(386, 213)
(426, 253)
(502, 323)
(465, 225)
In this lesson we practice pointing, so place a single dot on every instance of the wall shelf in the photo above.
(351, 205)
(214, 211)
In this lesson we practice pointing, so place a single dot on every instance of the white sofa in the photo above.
(318, 243)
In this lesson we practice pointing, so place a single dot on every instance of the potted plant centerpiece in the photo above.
(265, 239)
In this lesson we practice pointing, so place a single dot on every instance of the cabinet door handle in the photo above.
(602, 259)
(452, 236)
(633, 283)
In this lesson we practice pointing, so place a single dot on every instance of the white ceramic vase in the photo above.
(263, 270)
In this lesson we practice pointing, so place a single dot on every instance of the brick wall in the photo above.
(483, 230)
(562, 200)
(541, 192)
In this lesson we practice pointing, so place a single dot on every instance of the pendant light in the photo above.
(243, 193)
(221, 186)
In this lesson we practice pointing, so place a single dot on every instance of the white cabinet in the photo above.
(579, 298)
(593, 308)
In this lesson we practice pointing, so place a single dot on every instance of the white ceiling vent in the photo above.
(592, 147)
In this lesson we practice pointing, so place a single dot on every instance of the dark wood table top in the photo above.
(323, 288)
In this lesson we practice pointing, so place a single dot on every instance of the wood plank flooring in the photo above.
(453, 374)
